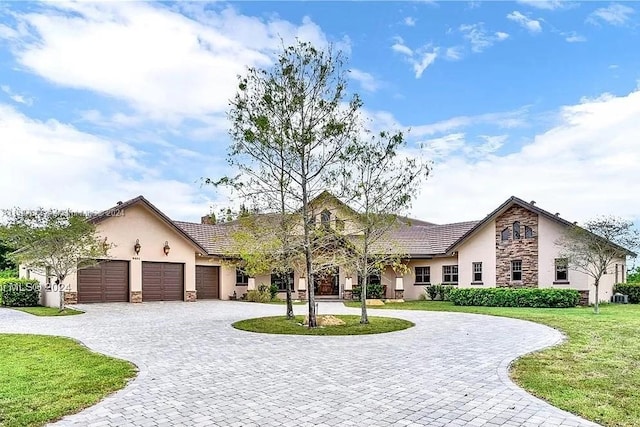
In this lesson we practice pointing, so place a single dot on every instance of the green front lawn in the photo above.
(352, 326)
(596, 374)
(45, 378)
(48, 311)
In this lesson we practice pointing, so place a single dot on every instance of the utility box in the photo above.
(619, 298)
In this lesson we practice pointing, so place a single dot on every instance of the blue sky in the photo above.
(538, 99)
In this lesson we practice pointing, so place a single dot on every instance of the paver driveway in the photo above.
(195, 369)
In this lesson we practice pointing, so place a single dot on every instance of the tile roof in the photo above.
(412, 238)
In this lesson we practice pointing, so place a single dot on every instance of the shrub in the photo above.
(262, 294)
(19, 292)
(507, 297)
(273, 290)
(9, 273)
(432, 291)
(374, 290)
(630, 289)
(443, 292)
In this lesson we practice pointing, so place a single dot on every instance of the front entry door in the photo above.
(326, 283)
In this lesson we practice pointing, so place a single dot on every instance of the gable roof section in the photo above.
(108, 213)
(511, 201)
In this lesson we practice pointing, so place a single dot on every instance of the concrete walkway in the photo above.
(195, 369)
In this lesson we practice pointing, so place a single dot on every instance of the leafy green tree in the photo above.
(290, 126)
(5, 261)
(50, 240)
(593, 248)
(380, 183)
(634, 275)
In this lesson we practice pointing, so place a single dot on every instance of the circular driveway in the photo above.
(195, 369)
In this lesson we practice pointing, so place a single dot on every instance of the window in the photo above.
(325, 217)
(242, 279)
(450, 274)
(528, 232)
(374, 279)
(516, 271)
(477, 272)
(504, 234)
(280, 279)
(516, 230)
(423, 275)
(562, 274)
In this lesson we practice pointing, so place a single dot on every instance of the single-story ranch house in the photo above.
(155, 258)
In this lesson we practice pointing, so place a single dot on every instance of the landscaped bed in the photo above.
(45, 378)
(352, 326)
(49, 311)
(595, 374)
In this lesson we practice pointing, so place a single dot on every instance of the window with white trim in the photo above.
(476, 268)
(450, 274)
(516, 270)
(562, 272)
(423, 275)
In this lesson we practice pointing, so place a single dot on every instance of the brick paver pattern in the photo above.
(197, 370)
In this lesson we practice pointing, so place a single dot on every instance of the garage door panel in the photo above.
(105, 282)
(207, 282)
(162, 281)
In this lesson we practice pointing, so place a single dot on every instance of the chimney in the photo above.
(119, 202)
(208, 219)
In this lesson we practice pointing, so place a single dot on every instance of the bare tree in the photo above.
(294, 120)
(593, 248)
(59, 241)
(380, 182)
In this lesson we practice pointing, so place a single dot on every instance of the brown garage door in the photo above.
(106, 282)
(162, 281)
(207, 282)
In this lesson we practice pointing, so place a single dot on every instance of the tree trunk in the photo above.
(596, 306)
(289, 302)
(307, 250)
(61, 291)
(364, 319)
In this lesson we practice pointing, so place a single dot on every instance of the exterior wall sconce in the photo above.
(166, 248)
(137, 247)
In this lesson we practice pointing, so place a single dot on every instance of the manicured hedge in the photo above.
(507, 297)
(631, 289)
(19, 292)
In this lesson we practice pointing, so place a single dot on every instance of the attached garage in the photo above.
(207, 282)
(106, 282)
(162, 281)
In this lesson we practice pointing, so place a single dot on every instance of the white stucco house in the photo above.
(155, 258)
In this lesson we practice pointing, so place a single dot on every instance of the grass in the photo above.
(48, 311)
(45, 378)
(281, 325)
(595, 374)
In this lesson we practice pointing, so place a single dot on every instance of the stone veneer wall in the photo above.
(522, 249)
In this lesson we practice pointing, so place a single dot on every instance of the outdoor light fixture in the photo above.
(137, 247)
(166, 248)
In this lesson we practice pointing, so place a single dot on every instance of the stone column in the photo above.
(348, 288)
(302, 288)
(399, 290)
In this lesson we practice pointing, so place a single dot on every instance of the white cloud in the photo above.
(479, 38)
(582, 167)
(574, 37)
(53, 164)
(440, 148)
(420, 59)
(531, 25)
(504, 120)
(20, 99)
(453, 53)
(163, 64)
(614, 14)
(409, 21)
(366, 80)
(545, 4)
